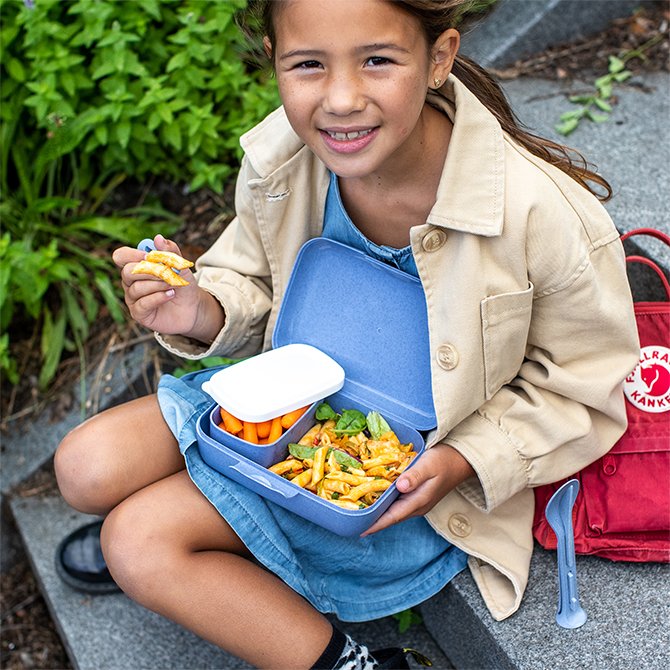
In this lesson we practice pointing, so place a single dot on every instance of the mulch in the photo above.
(28, 636)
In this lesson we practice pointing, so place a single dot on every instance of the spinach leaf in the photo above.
(302, 451)
(324, 412)
(351, 422)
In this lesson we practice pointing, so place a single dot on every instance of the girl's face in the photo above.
(353, 76)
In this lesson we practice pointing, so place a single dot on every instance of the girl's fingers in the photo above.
(403, 508)
(150, 303)
(163, 244)
(124, 255)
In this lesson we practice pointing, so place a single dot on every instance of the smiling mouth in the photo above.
(353, 135)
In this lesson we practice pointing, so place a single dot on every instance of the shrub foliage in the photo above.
(93, 92)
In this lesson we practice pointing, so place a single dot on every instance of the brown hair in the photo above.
(436, 16)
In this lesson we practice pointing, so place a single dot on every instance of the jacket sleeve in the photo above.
(236, 272)
(565, 408)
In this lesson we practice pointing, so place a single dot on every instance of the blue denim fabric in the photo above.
(339, 226)
(357, 579)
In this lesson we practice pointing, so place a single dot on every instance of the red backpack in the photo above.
(622, 511)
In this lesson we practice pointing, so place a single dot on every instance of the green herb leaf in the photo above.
(325, 412)
(351, 422)
(377, 425)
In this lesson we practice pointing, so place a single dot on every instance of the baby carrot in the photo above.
(263, 428)
(275, 430)
(249, 432)
(232, 423)
(291, 417)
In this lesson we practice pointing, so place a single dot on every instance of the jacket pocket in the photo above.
(505, 323)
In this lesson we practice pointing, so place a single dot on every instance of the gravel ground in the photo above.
(28, 637)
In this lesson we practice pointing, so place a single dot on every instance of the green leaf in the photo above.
(605, 90)
(123, 129)
(616, 64)
(597, 118)
(567, 127)
(324, 412)
(52, 342)
(109, 296)
(581, 99)
(172, 135)
(15, 69)
(45, 205)
(377, 425)
(101, 134)
(602, 104)
(74, 314)
(177, 61)
(351, 422)
(406, 619)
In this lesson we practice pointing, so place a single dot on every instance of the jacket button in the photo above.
(434, 240)
(447, 356)
(459, 525)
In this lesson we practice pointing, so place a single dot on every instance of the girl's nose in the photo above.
(343, 96)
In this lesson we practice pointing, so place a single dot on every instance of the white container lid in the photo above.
(275, 382)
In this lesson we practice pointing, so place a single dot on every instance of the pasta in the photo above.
(349, 469)
(164, 265)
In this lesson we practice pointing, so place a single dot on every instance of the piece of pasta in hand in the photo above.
(168, 258)
(164, 265)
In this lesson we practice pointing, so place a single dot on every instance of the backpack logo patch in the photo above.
(647, 387)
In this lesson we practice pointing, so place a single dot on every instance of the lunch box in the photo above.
(267, 386)
(366, 317)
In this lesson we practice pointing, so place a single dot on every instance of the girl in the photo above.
(389, 142)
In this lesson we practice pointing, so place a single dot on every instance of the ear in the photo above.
(267, 45)
(443, 54)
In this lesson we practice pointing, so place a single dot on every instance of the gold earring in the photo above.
(437, 82)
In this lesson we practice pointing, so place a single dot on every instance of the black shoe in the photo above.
(395, 658)
(80, 563)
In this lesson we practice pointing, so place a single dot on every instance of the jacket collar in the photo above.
(470, 195)
(471, 192)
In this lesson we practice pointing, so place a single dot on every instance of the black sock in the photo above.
(342, 653)
(332, 652)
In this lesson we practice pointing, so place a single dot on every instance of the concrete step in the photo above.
(628, 609)
(111, 632)
(515, 29)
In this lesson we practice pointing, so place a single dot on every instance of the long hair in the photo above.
(436, 16)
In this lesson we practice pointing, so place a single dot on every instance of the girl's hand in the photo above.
(438, 471)
(185, 310)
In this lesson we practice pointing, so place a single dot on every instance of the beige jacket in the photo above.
(529, 310)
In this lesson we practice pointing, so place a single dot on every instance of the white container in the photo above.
(275, 382)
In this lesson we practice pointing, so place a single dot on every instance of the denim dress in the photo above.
(354, 578)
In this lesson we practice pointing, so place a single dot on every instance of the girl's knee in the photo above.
(82, 475)
(137, 557)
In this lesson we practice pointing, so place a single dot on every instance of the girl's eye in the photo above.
(308, 65)
(378, 60)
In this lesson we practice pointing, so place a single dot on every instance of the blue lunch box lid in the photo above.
(368, 316)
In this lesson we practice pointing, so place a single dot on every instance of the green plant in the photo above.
(91, 93)
(406, 619)
(202, 364)
(152, 87)
(596, 105)
(55, 266)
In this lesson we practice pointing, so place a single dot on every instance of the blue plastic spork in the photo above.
(559, 515)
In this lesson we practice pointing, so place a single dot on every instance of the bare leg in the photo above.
(170, 550)
(114, 454)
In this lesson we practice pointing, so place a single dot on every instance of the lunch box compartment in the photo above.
(263, 454)
(236, 466)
